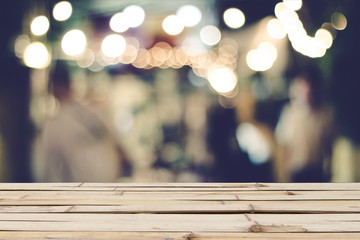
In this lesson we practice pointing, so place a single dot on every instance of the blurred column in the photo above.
(14, 97)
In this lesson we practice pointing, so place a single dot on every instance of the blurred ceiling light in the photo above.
(86, 59)
(119, 22)
(293, 4)
(113, 45)
(279, 8)
(338, 20)
(40, 25)
(234, 18)
(62, 10)
(173, 25)
(222, 79)
(36, 55)
(73, 42)
(135, 15)
(276, 29)
(210, 35)
(20, 45)
(262, 58)
(190, 15)
(324, 38)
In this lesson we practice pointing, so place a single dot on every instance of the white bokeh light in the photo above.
(262, 58)
(190, 15)
(74, 42)
(210, 35)
(276, 29)
(222, 79)
(36, 55)
(135, 15)
(62, 10)
(119, 22)
(293, 4)
(324, 38)
(234, 18)
(113, 45)
(173, 25)
(40, 25)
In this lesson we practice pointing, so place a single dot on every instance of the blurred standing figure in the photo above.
(75, 144)
(305, 133)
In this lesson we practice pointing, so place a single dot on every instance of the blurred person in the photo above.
(75, 144)
(305, 132)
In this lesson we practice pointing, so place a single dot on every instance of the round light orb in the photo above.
(135, 15)
(293, 4)
(234, 18)
(190, 15)
(324, 38)
(173, 25)
(338, 20)
(113, 45)
(40, 25)
(210, 35)
(223, 80)
(36, 55)
(73, 42)
(62, 11)
(276, 29)
(119, 22)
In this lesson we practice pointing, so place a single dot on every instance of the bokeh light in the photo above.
(36, 55)
(119, 22)
(190, 15)
(20, 45)
(86, 59)
(234, 18)
(293, 4)
(62, 11)
(222, 79)
(40, 25)
(210, 35)
(262, 58)
(324, 38)
(135, 15)
(276, 29)
(113, 45)
(173, 25)
(73, 42)
(338, 20)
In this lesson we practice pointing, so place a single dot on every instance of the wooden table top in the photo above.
(179, 211)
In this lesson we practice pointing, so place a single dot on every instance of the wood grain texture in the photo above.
(179, 211)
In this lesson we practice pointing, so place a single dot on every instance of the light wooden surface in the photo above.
(179, 211)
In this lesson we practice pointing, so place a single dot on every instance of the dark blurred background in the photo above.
(196, 104)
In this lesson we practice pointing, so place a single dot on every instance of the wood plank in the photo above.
(174, 235)
(182, 222)
(182, 186)
(143, 206)
(168, 195)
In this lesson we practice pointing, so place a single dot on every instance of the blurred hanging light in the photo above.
(234, 18)
(20, 45)
(62, 11)
(279, 8)
(293, 4)
(324, 38)
(113, 45)
(222, 79)
(338, 20)
(262, 58)
(190, 15)
(74, 42)
(210, 35)
(135, 15)
(276, 29)
(173, 25)
(119, 22)
(40, 25)
(36, 55)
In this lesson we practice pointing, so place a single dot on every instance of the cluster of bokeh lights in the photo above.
(217, 65)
